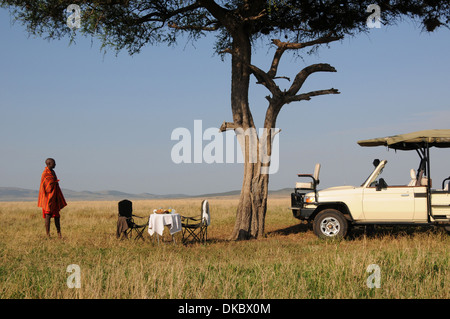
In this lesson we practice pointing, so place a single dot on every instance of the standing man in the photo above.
(51, 198)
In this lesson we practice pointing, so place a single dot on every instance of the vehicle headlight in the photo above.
(310, 199)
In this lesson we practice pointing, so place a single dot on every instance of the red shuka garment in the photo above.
(51, 199)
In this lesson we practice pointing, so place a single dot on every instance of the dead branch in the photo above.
(283, 46)
(275, 61)
(227, 126)
(301, 77)
(264, 79)
(307, 96)
(263, 13)
(295, 46)
(227, 50)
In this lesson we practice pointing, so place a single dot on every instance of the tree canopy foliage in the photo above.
(132, 24)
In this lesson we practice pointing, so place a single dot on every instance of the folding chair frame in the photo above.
(125, 210)
(138, 229)
(195, 228)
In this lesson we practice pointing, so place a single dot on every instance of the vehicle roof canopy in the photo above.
(412, 141)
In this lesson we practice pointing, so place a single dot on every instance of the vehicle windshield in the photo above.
(376, 172)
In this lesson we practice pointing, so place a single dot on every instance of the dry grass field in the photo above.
(289, 263)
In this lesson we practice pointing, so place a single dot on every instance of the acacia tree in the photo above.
(130, 25)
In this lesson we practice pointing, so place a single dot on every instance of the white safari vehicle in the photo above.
(334, 210)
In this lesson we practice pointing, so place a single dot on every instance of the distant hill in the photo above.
(14, 194)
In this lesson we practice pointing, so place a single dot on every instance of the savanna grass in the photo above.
(289, 262)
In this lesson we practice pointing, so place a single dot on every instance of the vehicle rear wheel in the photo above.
(330, 223)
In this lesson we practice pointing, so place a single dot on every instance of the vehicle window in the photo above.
(374, 178)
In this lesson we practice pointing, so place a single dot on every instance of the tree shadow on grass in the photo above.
(294, 229)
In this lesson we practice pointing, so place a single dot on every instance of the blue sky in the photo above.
(107, 119)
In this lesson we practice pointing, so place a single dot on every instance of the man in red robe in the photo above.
(51, 198)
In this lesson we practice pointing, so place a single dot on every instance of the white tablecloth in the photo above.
(157, 222)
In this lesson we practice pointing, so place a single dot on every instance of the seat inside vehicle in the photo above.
(413, 181)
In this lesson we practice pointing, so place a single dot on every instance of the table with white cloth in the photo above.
(157, 222)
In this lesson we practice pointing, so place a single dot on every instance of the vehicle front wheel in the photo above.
(330, 223)
(447, 229)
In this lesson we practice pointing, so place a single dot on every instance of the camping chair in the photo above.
(125, 222)
(196, 228)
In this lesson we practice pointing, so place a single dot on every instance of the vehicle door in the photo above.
(390, 204)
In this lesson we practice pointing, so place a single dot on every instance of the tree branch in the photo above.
(300, 78)
(262, 14)
(264, 79)
(283, 46)
(307, 96)
(193, 27)
(221, 14)
(295, 46)
(162, 17)
(276, 60)
(267, 79)
(227, 126)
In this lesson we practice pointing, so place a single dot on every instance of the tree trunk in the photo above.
(251, 211)
(252, 205)
(252, 208)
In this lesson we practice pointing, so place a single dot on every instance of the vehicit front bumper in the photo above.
(302, 213)
(298, 207)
